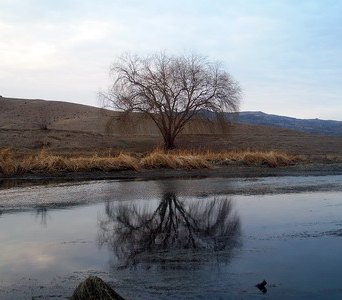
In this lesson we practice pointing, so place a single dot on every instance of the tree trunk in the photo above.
(169, 142)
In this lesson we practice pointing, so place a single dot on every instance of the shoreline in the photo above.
(311, 169)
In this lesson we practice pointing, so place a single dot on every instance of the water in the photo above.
(209, 238)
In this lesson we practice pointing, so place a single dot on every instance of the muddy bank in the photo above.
(313, 169)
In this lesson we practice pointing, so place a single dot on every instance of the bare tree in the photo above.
(171, 89)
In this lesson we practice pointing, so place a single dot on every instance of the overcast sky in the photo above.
(287, 55)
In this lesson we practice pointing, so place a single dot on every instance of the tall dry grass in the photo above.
(12, 163)
(191, 159)
(253, 158)
(43, 161)
(173, 160)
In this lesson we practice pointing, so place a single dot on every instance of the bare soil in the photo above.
(28, 125)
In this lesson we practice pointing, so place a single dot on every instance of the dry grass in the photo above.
(191, 159)
(12, 163)
(173, 160)
(43, 161)
(253, 158)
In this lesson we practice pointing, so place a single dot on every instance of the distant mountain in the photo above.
(312, 126)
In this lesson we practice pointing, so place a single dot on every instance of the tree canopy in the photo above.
(171, 89)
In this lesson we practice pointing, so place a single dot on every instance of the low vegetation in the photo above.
(13, 163)
(43, 161)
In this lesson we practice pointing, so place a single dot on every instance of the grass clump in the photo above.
(120, 162)
(261, 158)
(7, 162)
(173, 160)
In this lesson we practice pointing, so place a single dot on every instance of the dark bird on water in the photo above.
(262, 286)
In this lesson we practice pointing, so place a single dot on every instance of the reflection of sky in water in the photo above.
(65, 244)
(290, 239)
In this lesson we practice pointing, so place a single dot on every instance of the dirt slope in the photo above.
(62, 126)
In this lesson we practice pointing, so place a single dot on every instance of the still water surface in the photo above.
(209, 238)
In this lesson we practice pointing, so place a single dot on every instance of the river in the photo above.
(209, 238)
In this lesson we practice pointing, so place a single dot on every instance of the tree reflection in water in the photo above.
(139, 235)
(42, 214)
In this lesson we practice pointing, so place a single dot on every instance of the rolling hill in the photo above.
(29, 125)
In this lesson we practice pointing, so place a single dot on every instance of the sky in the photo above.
(286, 54)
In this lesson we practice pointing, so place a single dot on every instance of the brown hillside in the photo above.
(62, 126)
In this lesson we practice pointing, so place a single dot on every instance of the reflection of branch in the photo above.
(132, 231)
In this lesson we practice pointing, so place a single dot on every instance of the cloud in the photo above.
(277, 49)
(42, 45)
